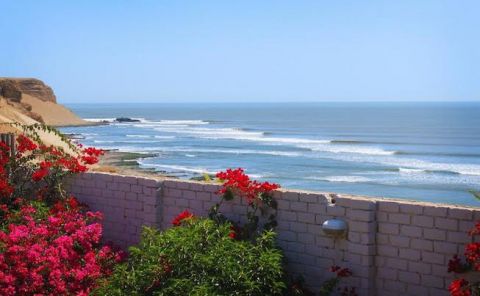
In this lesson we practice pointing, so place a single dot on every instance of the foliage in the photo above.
(58, 255)
(329, 287)
(462, 286)
(49, 244)
(198, 257)
(257, 195)
(37, 171)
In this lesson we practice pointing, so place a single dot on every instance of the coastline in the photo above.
(126, 163)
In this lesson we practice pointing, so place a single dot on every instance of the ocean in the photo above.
(417, 151)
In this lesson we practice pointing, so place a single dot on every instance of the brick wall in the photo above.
(393, 247)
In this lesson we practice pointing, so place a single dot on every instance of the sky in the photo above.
(245, 51)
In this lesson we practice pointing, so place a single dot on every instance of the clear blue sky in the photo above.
(172, 51)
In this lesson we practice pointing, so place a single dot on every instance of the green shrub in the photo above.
(198, 258)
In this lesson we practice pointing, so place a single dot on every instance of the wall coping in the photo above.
(374, 199)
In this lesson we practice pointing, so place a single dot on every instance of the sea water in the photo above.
(420, 151)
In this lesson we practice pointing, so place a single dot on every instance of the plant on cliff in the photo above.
(471, 265)
(257, 196)
(49, 244)
(198, 257)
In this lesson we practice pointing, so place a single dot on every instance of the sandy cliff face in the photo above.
(36, 100)
(29, 101)
(15, 88)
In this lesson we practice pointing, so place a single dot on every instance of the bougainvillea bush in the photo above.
(198, 257)
(470, 266)
(258, 197)
(49, 244)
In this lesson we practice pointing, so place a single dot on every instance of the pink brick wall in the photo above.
(393, 247)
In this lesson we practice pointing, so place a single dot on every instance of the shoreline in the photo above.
(126, 163)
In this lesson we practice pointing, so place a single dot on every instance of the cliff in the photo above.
(36, 100)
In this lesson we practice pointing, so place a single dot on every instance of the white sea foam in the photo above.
(230, 151)
(138, 136)
(342, 179)
(411, 171)
(177, 168)
(415, 164)
(317, 145)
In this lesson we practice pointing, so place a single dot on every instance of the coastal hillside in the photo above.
(29, 101)
(25, 99)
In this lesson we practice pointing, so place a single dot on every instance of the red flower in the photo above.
(233, 232)
(340, 272)
(39, 174)
(177, 221)
(25, 144)
(87, 159)
(459, 287)
(238, 183)
(5, 188)
(455, 265)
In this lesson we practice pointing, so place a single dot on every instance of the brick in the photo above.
(465, 226)
(131, 196)
(362, 226)
(420, 267)
(417, 290)
(399, 241)
(459, 213)
(388, 206)
(355, 203)
(360, 215)
(287, 236)
(336, 210)
(283, 204)
(382, 239)
(435, 258)
(148, 182)
(387, 273)
(297, 227)
(411, 209)
(205, 196)
(291, 195)
(324, 241)
(458, 237)
(444, 247)
(409, 277)
(361, 249)
(306, 238)
(435, 234)
(298, 206)
(432, 281)
(124, 187)
(395, 286)
(387, 251)
(440, 270)
(399, 218)
(382, 217)
(423, 221)
(411, 231)
(308, 197)
(389, 228)
(447, 224)
(436, 211)
(317, 208)
(396, 263)
(296, 247)
(409, 254)
(421, 244)
(306, 218)
(287, 215)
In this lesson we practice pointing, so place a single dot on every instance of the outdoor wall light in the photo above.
(334, 227)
